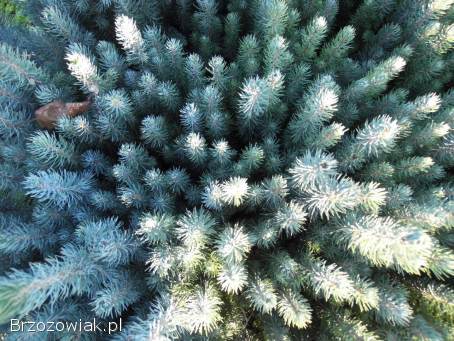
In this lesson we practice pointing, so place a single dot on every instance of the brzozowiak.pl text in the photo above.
(92, 326)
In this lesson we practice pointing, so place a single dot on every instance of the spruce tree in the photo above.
(228, 170)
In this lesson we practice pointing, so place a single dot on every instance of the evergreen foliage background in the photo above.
(245, 170)
(9, 11)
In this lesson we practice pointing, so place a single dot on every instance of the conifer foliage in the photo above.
(239, 170)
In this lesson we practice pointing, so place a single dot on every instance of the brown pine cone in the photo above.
(47, 115)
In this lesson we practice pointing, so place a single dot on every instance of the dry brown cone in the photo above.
(47, 115)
